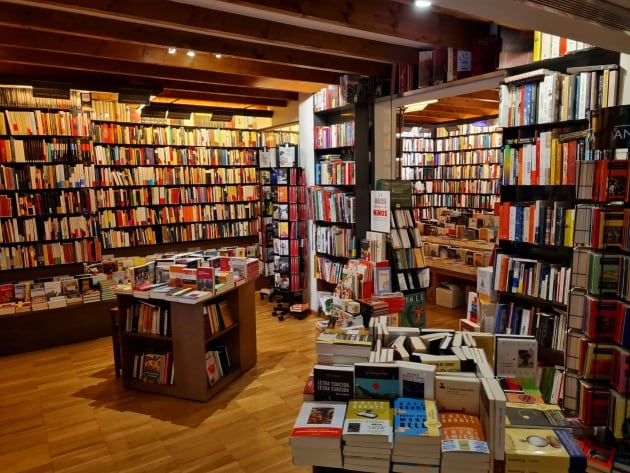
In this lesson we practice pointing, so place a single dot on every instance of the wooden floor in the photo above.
(62, 410)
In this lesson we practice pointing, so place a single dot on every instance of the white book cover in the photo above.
(516, 356)
(417, 380)
(455, 393)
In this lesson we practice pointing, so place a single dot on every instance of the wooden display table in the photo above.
(446, 269)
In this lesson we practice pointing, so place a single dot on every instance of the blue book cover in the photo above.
(416, 418)
(577, 459)
(376, 381)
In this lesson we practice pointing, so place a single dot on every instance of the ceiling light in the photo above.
(218, 56)
(422, 3)
(418, 107)
(172, 50)
(190, 53)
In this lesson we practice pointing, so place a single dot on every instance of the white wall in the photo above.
(307, 161)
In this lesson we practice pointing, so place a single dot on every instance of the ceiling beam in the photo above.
(110, 82)
(93, 27)
(209, 97)
(230, 25)
(381, 17)
(94, 63)
(41, 40)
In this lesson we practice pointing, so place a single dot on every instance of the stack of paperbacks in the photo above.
(316, 436)
(464, 446)
(417, 436)
(543, 450)
(368, 436)
(343, 346)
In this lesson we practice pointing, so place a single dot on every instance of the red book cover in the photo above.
(617, 182)
(601, 318)
(619, 374)
(7, 293)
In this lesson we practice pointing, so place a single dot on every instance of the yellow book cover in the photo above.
(537, 46)
(369, 418)
(569, 226)
(534, 451)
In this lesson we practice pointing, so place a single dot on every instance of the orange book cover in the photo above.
(459, 425)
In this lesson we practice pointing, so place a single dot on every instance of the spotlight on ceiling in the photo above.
(218, 56)
(172, 50)
(190, 53)
(422, 3)
(418, 107)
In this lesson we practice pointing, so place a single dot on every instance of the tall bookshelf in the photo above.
(544, 135)
(596, 380)
(343, 180)
(79, 178)
(458, 166)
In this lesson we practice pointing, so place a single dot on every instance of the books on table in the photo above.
(316, 435)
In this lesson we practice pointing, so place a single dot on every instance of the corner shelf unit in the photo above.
(343, 180)
(188, 342)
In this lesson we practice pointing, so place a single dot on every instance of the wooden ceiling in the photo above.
(270, 50)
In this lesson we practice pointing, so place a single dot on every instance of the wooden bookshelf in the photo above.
(188, 342)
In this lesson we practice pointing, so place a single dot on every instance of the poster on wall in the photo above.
(380, 211)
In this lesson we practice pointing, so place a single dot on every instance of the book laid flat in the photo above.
(368, 422)
(333, 382)
(319, 424)
(527, 415)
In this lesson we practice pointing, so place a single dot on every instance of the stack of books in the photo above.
(316, 435)
(417, 436)
(542, 450)
(107, 292)
(368, 433)
(464, 445)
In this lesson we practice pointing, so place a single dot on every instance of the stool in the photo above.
(114, 315)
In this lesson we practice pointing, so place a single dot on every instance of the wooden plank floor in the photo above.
(62, 410)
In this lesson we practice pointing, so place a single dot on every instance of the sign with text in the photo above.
(380, 211)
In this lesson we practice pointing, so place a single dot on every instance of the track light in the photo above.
(422, 3)
(190, 53)
(172, 50)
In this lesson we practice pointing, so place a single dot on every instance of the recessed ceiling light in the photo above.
(190, 53)
(422, 3)
(172, 50)
(218, 56)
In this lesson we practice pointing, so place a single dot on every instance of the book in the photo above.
(515, 356)
(376, 381)
(319, 424)
(416, 380)
(457, 393)
(368, 421)
(333, 383)
(416, 423)
(529, 415)
(534, 450)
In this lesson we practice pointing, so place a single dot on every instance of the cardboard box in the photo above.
(449, 295)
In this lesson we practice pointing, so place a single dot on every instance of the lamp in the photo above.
(51, 90)
(135, 96)
(419, 106)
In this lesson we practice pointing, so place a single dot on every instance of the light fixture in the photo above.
(419, 106)
(172, 50)
(422, 3)
(190, 53)
(218, 56)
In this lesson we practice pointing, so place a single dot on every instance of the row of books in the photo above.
(23, 96)
(151, 367)
(470, 201)
(60, 149)
(331, 205)
(165, 155)
(144, 134)
(461, 186)
(603, 180)
(451, 158)
(482, 171)
(457, 140)
(334, 136)
(217, 364)
(335, 241)
(327, 269)
(547, 160)
(547, 326)
(20, 256)
(335, 173)
(178, 233)
(15, 230)
(36, 122)
(540, 222)
(547, 46)
(331, 96)
(55, 203)
(545, 96)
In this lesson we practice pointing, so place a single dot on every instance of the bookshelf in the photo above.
(542, 112)
(457, 167)
(343, 179)
(188, 340)
(596, 377)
